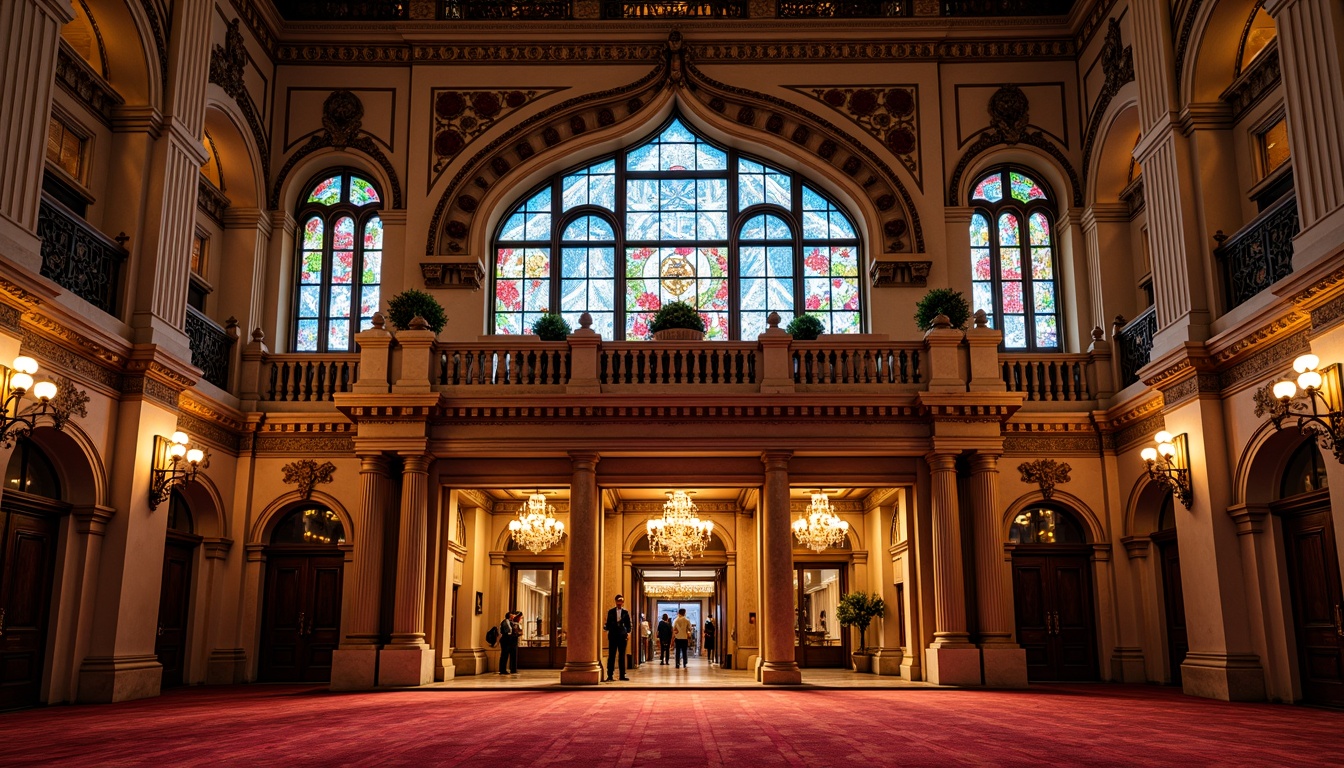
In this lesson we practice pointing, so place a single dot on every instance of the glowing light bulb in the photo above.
(180, 437)
(1162, 437)
(1305, 363)
(177, 450)
(195, 456)
(1285, 390)
(1149, 454)
(44, 390)
(20, 382)
(24, 364)
(1309, 380)
(1166, 449)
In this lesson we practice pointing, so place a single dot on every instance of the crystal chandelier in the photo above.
(536, 528)
(679, 533)
(679, 590)
(821, 528)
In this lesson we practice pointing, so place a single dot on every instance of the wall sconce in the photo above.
(21, 422)
(1172, 469)
(170, 453)
(1325, 421)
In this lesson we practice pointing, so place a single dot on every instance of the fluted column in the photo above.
(365, 581)
(1005, 664)
(582, 609)
(952, 658)
(780, 666)
(30, 33)
(407, 659)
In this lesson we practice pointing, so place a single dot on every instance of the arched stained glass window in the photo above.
(339, 263)
(677, 218)
(1012, 260)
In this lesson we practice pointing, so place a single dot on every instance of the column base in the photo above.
(754, 662)
(1005, 667)
(581, 673)
(354, 669)
(105, 679)
(887, 661)
(1225, 676)
(952, 666)
(1127, 666)
(400, 667)
(444, 669)
(470, 661)
(781, 673)
(226, 666)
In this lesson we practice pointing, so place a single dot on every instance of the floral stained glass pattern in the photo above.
(362, 192)
(990, 189)
(339, 264)
(1025, 189)
(327, 192)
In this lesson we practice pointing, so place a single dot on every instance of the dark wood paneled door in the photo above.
(170, 642)
(1052, 595)
(27, 557)
(1173, 600)
(301, 619)
(1318, 605)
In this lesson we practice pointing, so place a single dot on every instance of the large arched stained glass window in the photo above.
(339, 264)
(677, 218)
(1012, 259)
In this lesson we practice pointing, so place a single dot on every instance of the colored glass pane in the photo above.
(1008, 230)
(1014, 332)
(982, 296)
(1010, 264)
(340, 301)
(765, 228)
(1042, 268)
(338, 336)
(1047, 334)
(1044, 297)
(1040, 229)
(373, 268)
(343, 234)
(310, 301)
(1012, 297)
(311, 269)
(306, 336)
(368, 301)
(979, 231)
(342, 266)
(1024, 188)
(312, 234)
(676, 149)
(990, 188)
(981, 267)
(362, 192)
(327, 192)
(373, 234)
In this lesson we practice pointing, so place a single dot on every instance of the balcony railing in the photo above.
(675, 9)
(78, 257)
(682, 362)
(493, 10)
(343, 10)
(307, 378)
(1006, 7)
(842, 9)
(1260, 253)
(1048, 378)
(855, 362)
(1135, 342)
(211, 347)
(503, 361)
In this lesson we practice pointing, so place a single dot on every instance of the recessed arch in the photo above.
(638, 534)
(1208, 45)
(135, 44)
(1108, 170)
(260, 532)
(237, 153)
(1144, 507)
(295, 180)
(1055, 171)
(1265, 456)
(82, 474)
(207, 507)
(1092, 527)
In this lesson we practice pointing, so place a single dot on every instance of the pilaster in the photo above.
(1005, 664)
(951, 659)
(354, 664)
(408, 659)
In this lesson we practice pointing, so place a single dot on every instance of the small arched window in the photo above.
(314, 525)
(1045, 525)
(1305, 471)
(1013, 259)
(30, 471)
(340, 263)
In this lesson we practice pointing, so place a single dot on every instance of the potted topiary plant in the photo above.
(410, 303)
(551, 327)
(805, 327)
(942, 301)
(677, 321)
(858, 609)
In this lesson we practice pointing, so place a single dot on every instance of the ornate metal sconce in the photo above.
(1316, 407)
(1169, 464)
(169, 456)
(16, 422)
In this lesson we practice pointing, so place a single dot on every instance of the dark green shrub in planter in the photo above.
(858, 609)
(677, 314)
(403, 308)
(805, 327)
(551, 328)
(942, 301)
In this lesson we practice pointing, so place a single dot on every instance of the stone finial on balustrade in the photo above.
(249, 373)
(982, 343)
(375, 352)
(584, 354)
(772, 329)
(379, 322)
(419, 323)
(1100, 369)
(981, 319)
(776, 357)
(942, 321)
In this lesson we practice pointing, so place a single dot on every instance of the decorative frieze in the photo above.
(888, 113)
(463, 273)
(1030, 444)
(461, 115)
(1327, 314)
(887, 273)
(209, 431)
(1190, 387)
(304, 444)
(211, 201)
(1254, 365)
(85, 85)
(1140, 430)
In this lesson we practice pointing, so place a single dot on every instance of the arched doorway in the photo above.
(179, 552)
(700, 586)
(1052, 594)
(1172, 596)
(29, 512)
(1312, 557)
(301, 617)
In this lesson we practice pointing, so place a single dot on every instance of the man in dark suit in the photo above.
(618, 628)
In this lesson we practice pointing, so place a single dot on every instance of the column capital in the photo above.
(1136, 546)
(375, 463)
(93, 519)
(217, 549)
(985, 461)
(415, 462)
(1250, 518)
(584, 461)
(942, 461)
(776, 461)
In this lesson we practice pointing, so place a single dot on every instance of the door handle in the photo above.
(2, 622)
(1339, 621)
(160, 630)
(301, 623)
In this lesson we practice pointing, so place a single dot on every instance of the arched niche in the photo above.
(134, 43)
(261, 530)
(237, 154)
(207, 507)
(293, 181)
(638, 544)
(637, 538)
(1060, 179)
(78, 466)
(1265, 456)
(1109, 173)
(1144, 509)
(1208, 62)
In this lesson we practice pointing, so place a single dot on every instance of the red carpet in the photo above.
(303, 726)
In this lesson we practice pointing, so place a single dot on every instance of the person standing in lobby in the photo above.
(664, 638)
(681, 630)
(646, 637)
(710, 635)
(618, 628)
(509, 634)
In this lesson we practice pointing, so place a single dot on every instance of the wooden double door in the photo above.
(28, 530)
(1052, 594)
(301, 619)
(1173, 601)
(1318, 605)
(170, 641)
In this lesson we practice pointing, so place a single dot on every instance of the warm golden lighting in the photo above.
(679, 590)
(820, 528)
(168, 469)
(1313, 400)
(536, 528)
(679, 533)
(1168, 464)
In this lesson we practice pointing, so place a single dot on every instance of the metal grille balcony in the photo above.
(675, 9)
(78, 257)
(343, 10)
(843, 9)
(211, 347)
(482, 10)
(1260, 253)
(1006, 7)
(1135, 343)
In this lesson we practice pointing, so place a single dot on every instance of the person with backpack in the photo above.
(510, 631)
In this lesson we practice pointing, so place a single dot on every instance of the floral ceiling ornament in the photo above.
(1009, 113)
(887, 112)
(342, 117)
(228, 61)
(1046, 473)
(307, 473)
(462, 114)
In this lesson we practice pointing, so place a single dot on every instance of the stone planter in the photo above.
(863, 662)
(679, 334)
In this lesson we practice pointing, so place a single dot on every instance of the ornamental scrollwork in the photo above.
(1046, 473)
(307, 473)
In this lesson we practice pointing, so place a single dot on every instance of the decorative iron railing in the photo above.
(78, 257)
(842, 9)
(1135, 342)
(1006, 7)
(1260, 253)
(477, 10)
(675, 9)
(211, 347)
(343, 10)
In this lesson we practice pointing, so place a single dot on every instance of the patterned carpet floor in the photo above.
(306, 726)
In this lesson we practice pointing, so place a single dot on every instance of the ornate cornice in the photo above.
(1255, 83)
(1140, 429)
(301, 445)
(1253, 365)
(1032, 444)
(587, 413)
(85, 85)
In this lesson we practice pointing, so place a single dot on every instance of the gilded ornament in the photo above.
(306, 474)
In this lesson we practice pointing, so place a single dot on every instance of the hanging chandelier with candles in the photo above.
(679, 533)
(536, 528)
(821, 527)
